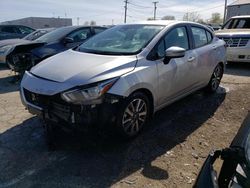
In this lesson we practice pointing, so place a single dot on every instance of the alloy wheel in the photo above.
(217, 75)
(134, 116)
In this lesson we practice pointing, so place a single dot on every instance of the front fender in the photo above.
(143, 77)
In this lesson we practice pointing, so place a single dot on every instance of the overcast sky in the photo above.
(106, 11)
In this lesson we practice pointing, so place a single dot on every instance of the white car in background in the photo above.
(124, 75)
(236, 34)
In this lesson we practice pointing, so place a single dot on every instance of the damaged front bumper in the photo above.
(54, 109)
(20, 62)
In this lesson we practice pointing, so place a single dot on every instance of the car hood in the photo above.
(12, 42)
(78, 68)
(233, 32)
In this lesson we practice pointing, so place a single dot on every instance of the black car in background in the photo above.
(24, 56)
(235, 169)
(14, 31)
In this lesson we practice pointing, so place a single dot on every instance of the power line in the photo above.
(139, 6)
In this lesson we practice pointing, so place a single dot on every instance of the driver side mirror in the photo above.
(68, 40)
(173, 52)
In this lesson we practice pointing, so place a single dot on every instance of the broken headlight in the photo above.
(90, 95)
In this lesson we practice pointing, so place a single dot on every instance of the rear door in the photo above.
(205, 51)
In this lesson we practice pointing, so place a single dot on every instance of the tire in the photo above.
(215, 79)
(133, 115)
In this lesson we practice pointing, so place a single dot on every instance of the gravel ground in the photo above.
(169, 152)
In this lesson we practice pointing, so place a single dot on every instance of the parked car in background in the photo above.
(6, 46)
(215, 26)
(14, 31)
(235, 169)
(124, 74)
(24, 56)
(236, 34)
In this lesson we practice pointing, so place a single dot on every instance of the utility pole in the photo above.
(155, 7)
(125, 13)
(225, 12)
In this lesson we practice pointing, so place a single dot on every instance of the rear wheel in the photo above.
(133, 115)
(215, 79)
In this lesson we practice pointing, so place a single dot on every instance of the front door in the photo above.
(176, 77)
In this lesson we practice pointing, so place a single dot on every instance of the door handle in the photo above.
(214, 47)
(191, 59)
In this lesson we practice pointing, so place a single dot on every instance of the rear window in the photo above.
(200, 37)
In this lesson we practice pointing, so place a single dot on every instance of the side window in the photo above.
(209, 37)
(24, 30)
(200, 37)
(9, 29)
(99, 30)
(161, 49)
(80, 35)
(177, 37)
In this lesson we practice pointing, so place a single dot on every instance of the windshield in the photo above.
(36, 34)
(55, 35)
(123, 39)
(238, 23)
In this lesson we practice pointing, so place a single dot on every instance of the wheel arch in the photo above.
(150, 96)
(222, 64)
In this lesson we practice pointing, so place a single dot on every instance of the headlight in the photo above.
(91, 95)
(5, 49)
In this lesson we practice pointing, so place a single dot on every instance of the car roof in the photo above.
(164, 22)
(79, 26)
(14, 26)
(242, 16)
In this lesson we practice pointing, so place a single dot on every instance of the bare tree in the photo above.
(216, 18)
(86, 23)
(150, 19)
(201, 21)
(92, 22)
(168, 17)
(191, 16)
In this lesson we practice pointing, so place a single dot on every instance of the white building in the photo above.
(237, 8)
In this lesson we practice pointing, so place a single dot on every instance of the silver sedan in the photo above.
(124, 75)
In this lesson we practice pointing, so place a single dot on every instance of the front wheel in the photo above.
(215, 79)
(133, 115)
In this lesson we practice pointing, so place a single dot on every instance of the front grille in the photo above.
(36, 99)
(236, 41)
(52, 103)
